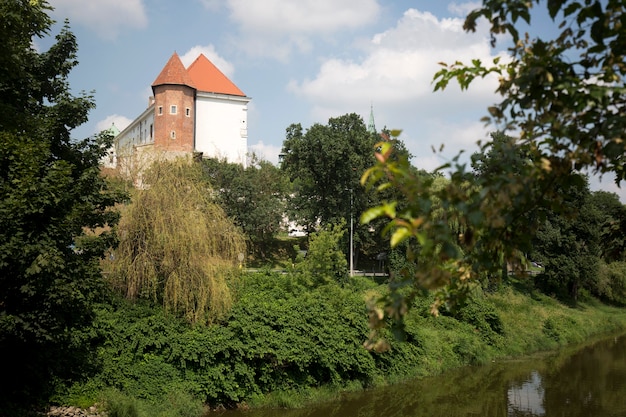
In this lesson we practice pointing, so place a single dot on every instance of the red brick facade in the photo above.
(174, 126)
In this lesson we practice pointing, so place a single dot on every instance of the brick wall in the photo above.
(174, 132)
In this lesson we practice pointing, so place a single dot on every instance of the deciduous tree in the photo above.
(325, 164)
(253, 197)
(563, 98)
(52, 198)
(177, 246)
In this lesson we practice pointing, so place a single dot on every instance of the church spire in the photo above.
(371, 127)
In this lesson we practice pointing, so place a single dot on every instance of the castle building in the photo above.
(193, 111)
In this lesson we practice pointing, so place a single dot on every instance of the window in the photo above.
(187, 111)
(173, 109)
(160, 111)
(173, 134)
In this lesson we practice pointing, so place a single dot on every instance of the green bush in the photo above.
(325, 262)
(611, 283)
(120, 405)
(284, 344)
(279, 336)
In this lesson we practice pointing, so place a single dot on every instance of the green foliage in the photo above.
(568, 245)
(325, 163)
(564, 94)
(284, 344)
(174, 404)
(483, 316)
(455, 230)
(279, 336)
(177, 247)
(611, 283)
(52, 201)
(253, 197)
(118, 405)
(324, 262)
(613, 225)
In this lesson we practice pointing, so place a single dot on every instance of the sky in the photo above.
(300, 61)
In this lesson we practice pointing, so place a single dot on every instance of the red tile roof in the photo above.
(209, 79)
(174, 72)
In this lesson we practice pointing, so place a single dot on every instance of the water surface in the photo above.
(587, 381)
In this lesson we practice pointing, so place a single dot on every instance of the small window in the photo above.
(187, 112)
(173, 134)
(160, 111)
(173, 109)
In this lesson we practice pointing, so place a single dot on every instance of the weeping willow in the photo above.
(177, 247)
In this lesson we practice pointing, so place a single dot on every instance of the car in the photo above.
(297, 233)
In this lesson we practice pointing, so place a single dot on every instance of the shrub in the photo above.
(611, 283)
(324, 262)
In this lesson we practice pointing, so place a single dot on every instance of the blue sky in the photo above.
(301, 61)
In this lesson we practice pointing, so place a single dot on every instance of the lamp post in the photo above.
(351, 237)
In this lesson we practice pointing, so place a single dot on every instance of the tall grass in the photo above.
(176, 404)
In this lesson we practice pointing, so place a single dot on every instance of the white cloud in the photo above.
(395, 74)
(462, 9)
(105, 17)
(400, 63)
(209, 51)
(212, 5)
(266, 151)
(275, 27)
(302, 16)
(121, 122)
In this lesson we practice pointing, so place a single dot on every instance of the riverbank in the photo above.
(288, 345)
(512, 323)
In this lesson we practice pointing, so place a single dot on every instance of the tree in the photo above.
(52, 200)
(505, 156)
(253, 197)
(177, 247)
(613, 242)
(566, 99)
(324, 164)
(324, 262)
(568, 245)
(564, 94)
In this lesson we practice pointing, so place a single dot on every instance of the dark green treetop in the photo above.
(52, 200)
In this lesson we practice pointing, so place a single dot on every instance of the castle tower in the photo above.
(174, 108)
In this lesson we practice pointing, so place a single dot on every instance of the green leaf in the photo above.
(554, 6)
(399, 236)
(372, 214)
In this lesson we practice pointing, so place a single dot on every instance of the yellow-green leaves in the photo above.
(385, 209)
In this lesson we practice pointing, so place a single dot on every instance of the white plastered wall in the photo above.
(222, 127)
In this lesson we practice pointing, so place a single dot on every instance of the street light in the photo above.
(351, 235)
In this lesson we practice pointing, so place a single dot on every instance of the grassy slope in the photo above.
(285, 345)
(529, 322)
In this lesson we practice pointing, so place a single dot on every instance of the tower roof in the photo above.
(208, 78)
(371, 126)
(113, 130)
(174, 73)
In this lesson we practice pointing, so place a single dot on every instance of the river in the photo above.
(588, 380)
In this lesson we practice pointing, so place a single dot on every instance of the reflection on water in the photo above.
(589, 381)
(527, 399)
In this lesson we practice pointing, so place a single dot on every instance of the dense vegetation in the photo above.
(52, 197)
(285, 343)
(563, 98)
(176, 322)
